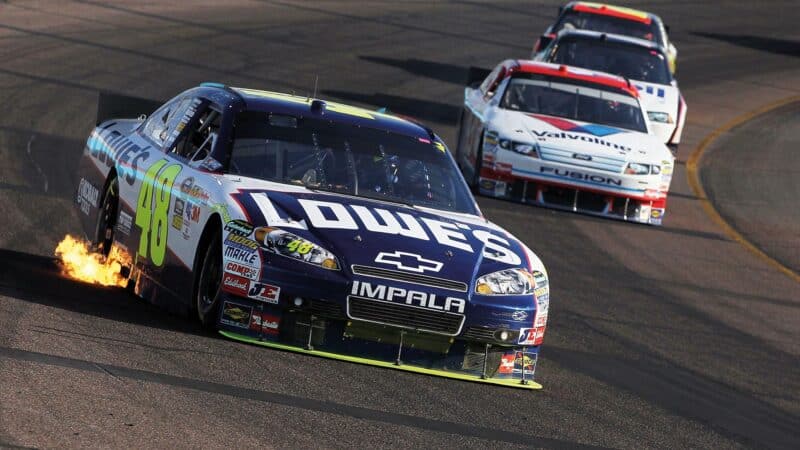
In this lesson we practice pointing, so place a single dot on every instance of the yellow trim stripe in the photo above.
(531, 385)
(694, 181)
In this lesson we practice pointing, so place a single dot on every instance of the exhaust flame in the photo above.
(79, 263)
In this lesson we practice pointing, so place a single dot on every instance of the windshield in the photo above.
(574, 102)
(630, 61)
(611, 25)
(346, 159)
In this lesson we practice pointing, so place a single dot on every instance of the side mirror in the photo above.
(666, 28)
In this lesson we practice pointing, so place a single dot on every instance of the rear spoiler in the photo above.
(118, 106)
(476, 75)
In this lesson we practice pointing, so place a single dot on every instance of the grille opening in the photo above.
(591, 201)
(558, 196)
(404, 316)
(406, 277)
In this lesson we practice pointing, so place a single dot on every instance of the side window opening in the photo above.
(197, 144)
(161, 125)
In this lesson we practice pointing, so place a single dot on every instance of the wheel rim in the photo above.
(108, 217)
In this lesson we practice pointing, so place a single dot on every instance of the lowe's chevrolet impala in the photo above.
(314, 227)
(563, 137)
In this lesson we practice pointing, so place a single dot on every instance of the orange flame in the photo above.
(79, 263)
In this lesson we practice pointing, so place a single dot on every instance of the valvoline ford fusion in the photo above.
(315, 227)
(563, 137)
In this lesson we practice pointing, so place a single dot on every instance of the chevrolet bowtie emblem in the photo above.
(408, 261)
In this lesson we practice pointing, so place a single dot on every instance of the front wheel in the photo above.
(207, 292)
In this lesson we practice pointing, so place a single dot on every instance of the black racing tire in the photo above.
(107, 218)
(208, 282)
(476, 173)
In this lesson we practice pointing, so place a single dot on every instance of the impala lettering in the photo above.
(407, 296)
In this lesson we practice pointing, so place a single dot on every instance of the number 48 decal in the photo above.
(152, 218)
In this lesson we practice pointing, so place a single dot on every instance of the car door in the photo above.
(151, 192)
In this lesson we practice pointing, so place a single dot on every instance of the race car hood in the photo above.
(388, 235)
(579, 137)
(659, 97)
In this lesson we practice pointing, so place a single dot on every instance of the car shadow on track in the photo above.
(37, 279)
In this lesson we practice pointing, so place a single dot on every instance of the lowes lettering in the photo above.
(331, 215)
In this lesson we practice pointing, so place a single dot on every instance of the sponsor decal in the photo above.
(519, 315)
(582, 157)
(250, 258)
(177, 222)
(252, 273)
(408, 261)
(192, 212)
(568, 125)
(114, 149)
(240, 242)
(516, 362)
(192, 190)
(178, 208)
(88, 196)
(408, 297)
(650, 90)
(539, 292)
(239, 227)
(124, 223)
(236, 315)
(506, 364)
(265, 292)
(487, 184)
(265, 323)
(567, 173)
(539, 278)
(532, 336)
(330, 215)
(235, 284)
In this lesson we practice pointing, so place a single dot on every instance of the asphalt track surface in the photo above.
(752, 176)
(658, 337)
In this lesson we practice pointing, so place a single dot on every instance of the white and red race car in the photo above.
(643, 62)
(563, 137)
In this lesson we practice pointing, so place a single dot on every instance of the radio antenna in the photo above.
(316, 81)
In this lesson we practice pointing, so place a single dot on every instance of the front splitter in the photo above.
(518, 384)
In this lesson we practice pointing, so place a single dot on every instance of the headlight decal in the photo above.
(293, 246)
(506, 282)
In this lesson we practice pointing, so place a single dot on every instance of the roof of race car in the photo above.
(616, 38)
(574, 73)
(613, 11)
(299, 106)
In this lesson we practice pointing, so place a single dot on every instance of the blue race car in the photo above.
(312, 226)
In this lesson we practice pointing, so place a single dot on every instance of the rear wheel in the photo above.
(207, 291)
(107, 218)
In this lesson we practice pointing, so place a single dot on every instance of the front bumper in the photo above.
(530, 185)
(323, 318)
